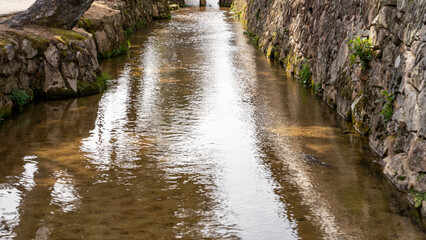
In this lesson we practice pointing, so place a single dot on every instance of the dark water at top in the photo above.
(199, 136)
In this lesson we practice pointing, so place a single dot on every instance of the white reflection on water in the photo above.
(227, 129)
(64, 194)
(11, 195)
(107, 135)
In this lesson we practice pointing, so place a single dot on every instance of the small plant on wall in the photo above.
(305, 74)
(387, 109)
(19, 97)
(362, 51)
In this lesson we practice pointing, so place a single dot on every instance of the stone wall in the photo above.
(225, 3)
(386, 100)
(112, 21)
(46, 63)
(56, 63)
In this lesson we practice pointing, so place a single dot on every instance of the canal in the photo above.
(198, 136)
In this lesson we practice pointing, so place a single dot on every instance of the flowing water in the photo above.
(199, 136)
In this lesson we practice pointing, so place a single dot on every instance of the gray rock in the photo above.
(29, 49)
(10, 51)
(52, 55)
(53, 81)
(417, 155)
(312, 160)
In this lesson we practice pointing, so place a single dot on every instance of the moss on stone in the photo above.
(102, 80)
(174, 7)
(290, 60)
(270, 52)
(60, 93)
(122, 50)
(344, 84)
(168, 16)
(84, 88)
(40, 43)
(67, 35)
(3, 43)
(401, 178)
(5, 111)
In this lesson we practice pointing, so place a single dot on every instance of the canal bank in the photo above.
(198, 136)
(366, 59)
(42, 62)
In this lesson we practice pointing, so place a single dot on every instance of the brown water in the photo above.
(199, 136)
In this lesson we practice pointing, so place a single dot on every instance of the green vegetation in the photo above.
(401, 178)
(19, 97)
(419, 197)
(66, 36)
(387, 109)
(257, 14)
(88, 25)
(102, 80)
(270, 53)
(305, 74)
(40, 43)
(3, 43)
(174, 7)
(362, 51)
(122, 50)
(239, 13)
(5, 111)
(252, 36)
(317, 88)
(131, 30)
(168, 16)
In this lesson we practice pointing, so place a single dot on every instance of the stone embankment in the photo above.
(181, 3)
(43, 63)
(382, 90)
(225, 3)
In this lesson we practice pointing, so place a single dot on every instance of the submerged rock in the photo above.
(312, 160)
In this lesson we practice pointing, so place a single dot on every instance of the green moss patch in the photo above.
(66, 36)
(122, 50)
(168, 16)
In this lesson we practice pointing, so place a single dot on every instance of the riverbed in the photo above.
(199, 136)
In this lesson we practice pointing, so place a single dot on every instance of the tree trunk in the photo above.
(52, 13)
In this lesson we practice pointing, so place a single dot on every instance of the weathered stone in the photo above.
(8, 84)
(422, 112)
(417, 155)
(29, 49)
(10, 68)
(225, 3)
(10, 51)
(53, 81)
(32, 66)
(419, 183)
(423, 208)
(52, 55)
(5, 106)
(104, 45)
(52, 13)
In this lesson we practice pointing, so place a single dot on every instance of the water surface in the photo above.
(199, 136)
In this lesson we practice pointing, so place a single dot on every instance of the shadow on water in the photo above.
(199, 136)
